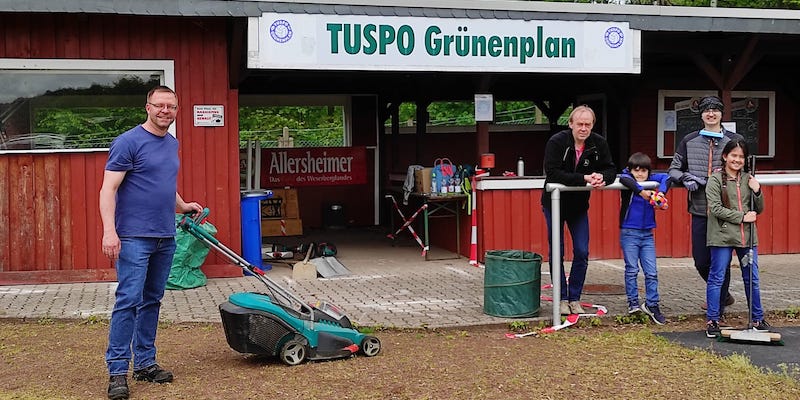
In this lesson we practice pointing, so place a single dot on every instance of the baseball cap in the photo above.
(710, 102)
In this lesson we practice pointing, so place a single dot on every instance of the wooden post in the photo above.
(481, 138)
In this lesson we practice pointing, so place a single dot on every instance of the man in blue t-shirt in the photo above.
(138, 201)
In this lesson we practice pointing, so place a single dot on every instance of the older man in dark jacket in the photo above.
(575, 157)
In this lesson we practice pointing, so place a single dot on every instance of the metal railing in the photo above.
(555, 232)
(765, 179)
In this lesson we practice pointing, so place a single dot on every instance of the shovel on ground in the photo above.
(329, 266)
(304, 270)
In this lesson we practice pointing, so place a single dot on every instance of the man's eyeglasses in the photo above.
(171, 107)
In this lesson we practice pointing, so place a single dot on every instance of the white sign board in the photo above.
(208, 115)
(484, 108)
(392, 43)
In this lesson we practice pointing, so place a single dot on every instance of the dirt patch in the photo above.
(64, 359)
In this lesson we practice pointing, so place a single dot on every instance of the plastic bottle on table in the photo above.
(434, 190)
(520, 167)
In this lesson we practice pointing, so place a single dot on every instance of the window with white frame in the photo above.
(752, 115)
(74, 105)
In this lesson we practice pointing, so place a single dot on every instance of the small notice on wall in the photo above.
(484, 107)
(209, 115)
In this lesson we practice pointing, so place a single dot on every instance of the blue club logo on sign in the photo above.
(614, 37)
(280, 31)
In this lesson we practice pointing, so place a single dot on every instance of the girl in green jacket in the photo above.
(734, 201)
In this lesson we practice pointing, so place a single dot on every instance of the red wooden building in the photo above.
(49, 222)
(51, 229)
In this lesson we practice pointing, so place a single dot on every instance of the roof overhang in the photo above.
(644, 18)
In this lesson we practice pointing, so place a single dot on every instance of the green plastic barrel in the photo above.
(512, 283)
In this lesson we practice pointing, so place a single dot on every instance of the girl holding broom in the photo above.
(734, 201)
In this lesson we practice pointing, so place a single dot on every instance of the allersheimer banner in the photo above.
(350, 42)
(313, 166)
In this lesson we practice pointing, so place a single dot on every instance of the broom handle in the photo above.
(750, 250)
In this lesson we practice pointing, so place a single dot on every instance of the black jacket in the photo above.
(559, 167)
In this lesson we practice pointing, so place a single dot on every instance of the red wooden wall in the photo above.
(644, 114)
(513, 219)
(50, 228)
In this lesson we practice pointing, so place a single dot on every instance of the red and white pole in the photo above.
(473, 242)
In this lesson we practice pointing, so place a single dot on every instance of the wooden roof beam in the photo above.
(744, 64)
(711, 72)
(236, 36)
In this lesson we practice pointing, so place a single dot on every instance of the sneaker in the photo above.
(153, 373)
(633, 307)
(723, 323)
(712, 329)
(762, 326)
(575, 307)
(655, 313)
(564, 307)
(118, 387)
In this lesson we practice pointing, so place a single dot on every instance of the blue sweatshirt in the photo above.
(636, 212)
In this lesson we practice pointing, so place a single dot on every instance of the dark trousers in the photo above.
(702, 257)
(578, 226)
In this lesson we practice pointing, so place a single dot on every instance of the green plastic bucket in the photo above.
(512, 283)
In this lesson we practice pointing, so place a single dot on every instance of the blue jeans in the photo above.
(579, 230)
(720, 260)
(702, 257)
(639, 247)
(142, 271)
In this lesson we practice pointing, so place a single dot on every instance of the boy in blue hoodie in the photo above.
(637, 219)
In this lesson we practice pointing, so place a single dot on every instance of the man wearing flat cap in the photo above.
(697, 155)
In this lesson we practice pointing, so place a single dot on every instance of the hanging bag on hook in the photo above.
(443, 171)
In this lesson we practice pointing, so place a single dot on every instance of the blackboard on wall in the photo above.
(745, 114)
(687, 119)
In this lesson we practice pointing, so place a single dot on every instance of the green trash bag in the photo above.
(190, 253)
(512, 283)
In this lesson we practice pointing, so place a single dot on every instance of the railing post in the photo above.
(555, 252)
(555, 233)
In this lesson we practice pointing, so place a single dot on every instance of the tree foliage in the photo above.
(309, 125)
(462, 113)
(88, 127)
(93, 126)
